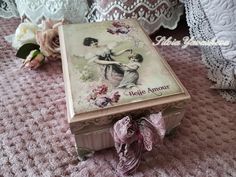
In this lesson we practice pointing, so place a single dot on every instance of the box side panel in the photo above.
(102, 121)
(95, 141)
(69, 105)
(102, 139)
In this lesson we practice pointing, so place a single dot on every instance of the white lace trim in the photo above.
(221, 70)
(36, 10)
(151, 15)
(8, 9)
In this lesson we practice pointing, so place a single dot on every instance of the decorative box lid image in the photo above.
(112, 67)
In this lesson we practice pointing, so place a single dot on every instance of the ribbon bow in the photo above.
(133, 137)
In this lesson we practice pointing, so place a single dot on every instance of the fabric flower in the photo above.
(25, 33)
(48, 39)
(133, 137)
(34, 60)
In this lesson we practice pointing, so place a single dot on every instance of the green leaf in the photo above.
(25, 50)
(35, 54)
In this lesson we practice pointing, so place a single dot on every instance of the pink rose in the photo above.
(101, 90)
(48, 39)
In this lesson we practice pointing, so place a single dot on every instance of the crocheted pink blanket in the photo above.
(35, 139)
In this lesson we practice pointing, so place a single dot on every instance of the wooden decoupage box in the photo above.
(112, 70)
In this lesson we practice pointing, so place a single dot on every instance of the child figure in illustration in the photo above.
(131, 75)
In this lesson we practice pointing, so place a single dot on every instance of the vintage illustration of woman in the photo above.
(118, 74)
(131, 75)
(111, 69)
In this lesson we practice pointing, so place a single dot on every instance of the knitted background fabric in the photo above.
(35, 139)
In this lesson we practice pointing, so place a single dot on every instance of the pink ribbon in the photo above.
(133, 137)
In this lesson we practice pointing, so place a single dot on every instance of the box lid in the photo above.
(111, 67)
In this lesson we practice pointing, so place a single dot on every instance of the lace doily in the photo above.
(151, 14)
(210, 20)
(8, 9)
(72, 10)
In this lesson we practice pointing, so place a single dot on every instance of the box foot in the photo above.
(84, 153)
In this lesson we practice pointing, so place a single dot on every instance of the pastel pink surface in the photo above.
(35, 139)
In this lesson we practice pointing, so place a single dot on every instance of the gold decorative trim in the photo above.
(107, 121)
